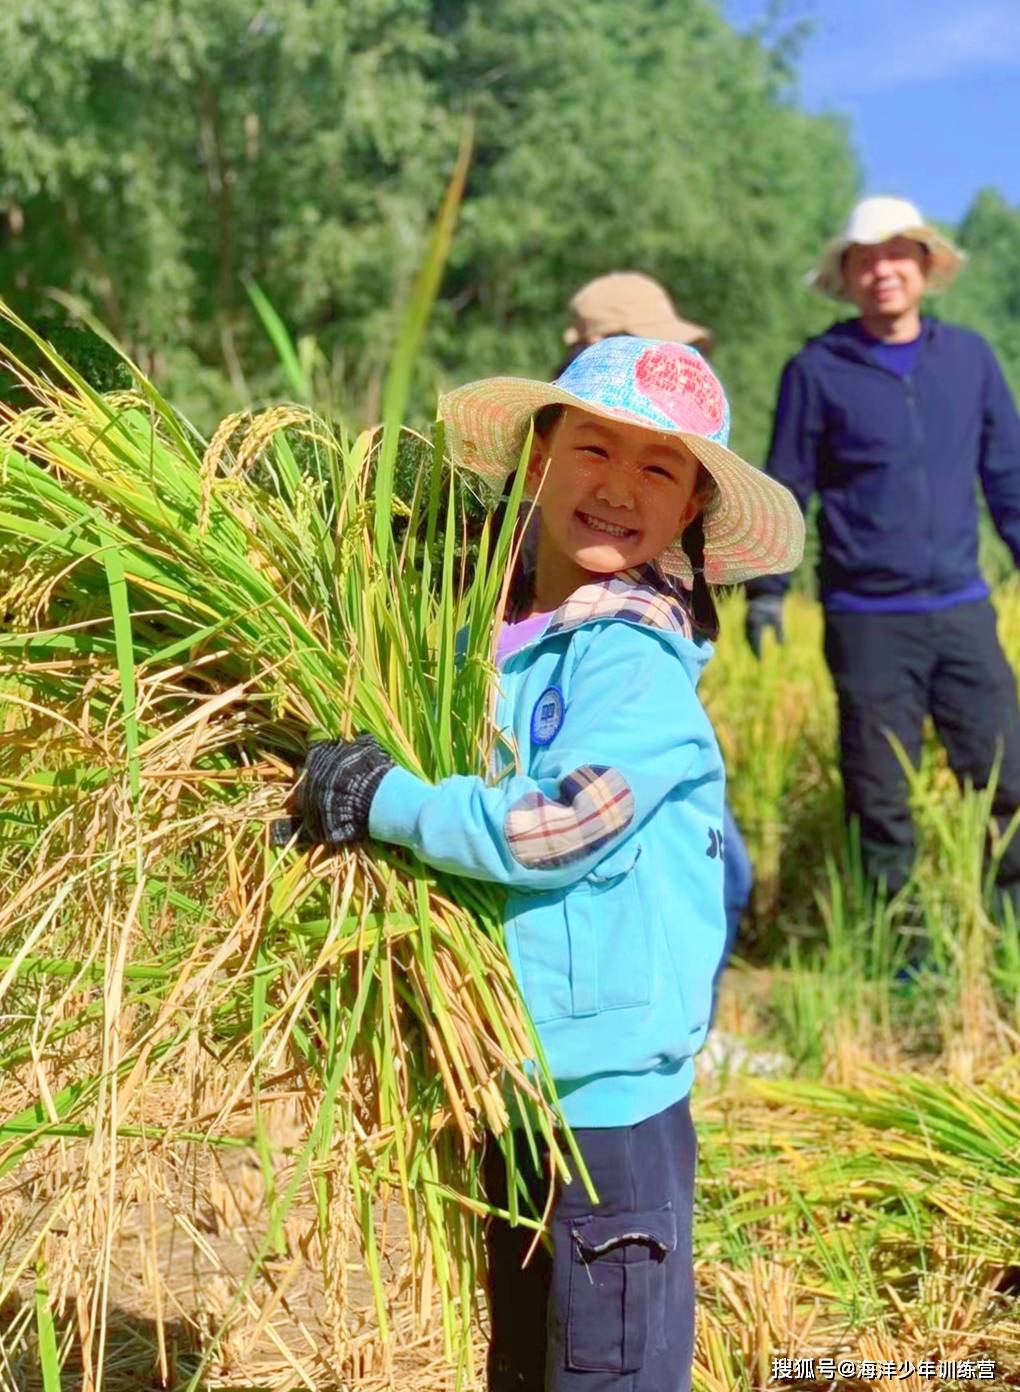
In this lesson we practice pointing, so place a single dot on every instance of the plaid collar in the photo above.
(642, 595)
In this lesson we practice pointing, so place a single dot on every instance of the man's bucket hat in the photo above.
(876, 220)
(753, 525)
(627, 302)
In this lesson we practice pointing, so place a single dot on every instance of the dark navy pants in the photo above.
(612, 1305)
(892, 670)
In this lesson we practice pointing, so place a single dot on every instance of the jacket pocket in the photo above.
(617, 1287)
(610, 957)
(584, 950)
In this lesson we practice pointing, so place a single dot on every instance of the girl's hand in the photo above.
(334, 797)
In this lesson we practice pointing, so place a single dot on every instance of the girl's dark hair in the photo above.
(547, 418)
(522, 581)
(522, 589)
(704, 614)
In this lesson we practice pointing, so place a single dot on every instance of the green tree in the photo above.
(986, 295)
(155, 154)
(649, 137)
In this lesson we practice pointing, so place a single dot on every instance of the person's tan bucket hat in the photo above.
(752, 525)
(876, 220)
(627, 302)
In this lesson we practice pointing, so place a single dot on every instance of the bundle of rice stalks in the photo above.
(179, 618)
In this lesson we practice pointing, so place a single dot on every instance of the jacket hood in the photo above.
(642, 596)
(844, 339)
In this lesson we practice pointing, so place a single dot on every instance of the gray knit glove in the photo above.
(335, 794)
(763, 612)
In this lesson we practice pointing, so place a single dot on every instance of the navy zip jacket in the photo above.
(896, 462)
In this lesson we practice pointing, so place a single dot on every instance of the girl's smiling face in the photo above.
(612, 496)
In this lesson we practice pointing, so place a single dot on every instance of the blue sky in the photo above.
(931, 88)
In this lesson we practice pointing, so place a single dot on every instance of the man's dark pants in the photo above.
(612, 1306)
(890, 671)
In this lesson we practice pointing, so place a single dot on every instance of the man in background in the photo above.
(627, 302)
(895, 418)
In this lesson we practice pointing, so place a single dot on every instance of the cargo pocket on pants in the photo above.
(617, 1288)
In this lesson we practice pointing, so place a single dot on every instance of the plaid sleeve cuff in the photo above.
(594, 805)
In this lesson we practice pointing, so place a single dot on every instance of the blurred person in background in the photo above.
(627, 302)
(630, 303)
(894, 418)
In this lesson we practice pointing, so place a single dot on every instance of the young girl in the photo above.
(608, 833)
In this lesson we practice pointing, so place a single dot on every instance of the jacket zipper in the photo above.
(917, 439)
(915, 424)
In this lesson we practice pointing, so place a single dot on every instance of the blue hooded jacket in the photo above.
(897, 462)
(607, 833)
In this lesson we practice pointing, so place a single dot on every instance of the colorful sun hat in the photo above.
(753, 525)
(876, 220)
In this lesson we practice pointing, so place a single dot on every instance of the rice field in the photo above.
(243, 1090)
(861, 1199)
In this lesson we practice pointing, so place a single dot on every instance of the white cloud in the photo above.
(863, 48)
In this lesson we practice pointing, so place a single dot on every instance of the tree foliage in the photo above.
(156, 155)
(987, 294)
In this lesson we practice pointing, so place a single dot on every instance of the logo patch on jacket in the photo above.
(547, 716)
